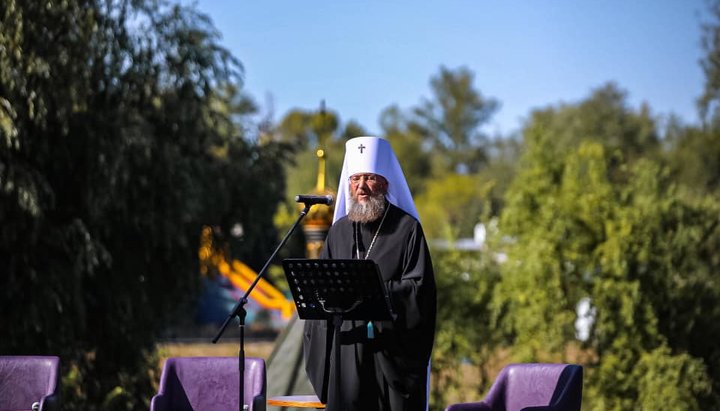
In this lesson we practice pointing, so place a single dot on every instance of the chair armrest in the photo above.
(259, 403)
(553, 407)
(570, 398)
(50, 403)
(159, 402)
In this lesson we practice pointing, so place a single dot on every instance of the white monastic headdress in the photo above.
(373, 155)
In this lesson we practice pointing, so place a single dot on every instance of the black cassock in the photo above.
(390, 370)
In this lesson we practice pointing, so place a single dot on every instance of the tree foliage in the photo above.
(465, 334)
(124, 130)
(119, 140)
(452, 120)
(446, 155)
(693, 157)
(408, 142)
(452, 206)
(596, 217)
(708, 102)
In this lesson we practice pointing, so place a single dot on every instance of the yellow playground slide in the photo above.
(241, 276)
(269, 297)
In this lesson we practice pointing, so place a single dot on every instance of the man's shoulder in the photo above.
(404, 221)
(402, 215)
(343, 223)
(344, 220)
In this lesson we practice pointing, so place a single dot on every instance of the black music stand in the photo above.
(338, 290)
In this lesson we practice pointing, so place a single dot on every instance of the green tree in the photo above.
(660, 374)
(693, 152)
(654, 289)
(452, 206)
(445, 154)
(452, 121)
(603, 117)
(594, 217)
(306, 132)
(497, 175)
(119, 140)
(465, 339)
(407, 141)
(693, 156)
(708, 101)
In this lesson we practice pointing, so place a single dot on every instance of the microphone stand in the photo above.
(240, 312)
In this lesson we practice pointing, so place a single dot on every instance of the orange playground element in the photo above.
(241, 276)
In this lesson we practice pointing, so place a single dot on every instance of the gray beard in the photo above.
(368, 212)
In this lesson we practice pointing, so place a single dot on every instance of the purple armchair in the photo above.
(532, 387)
(29, 382)
(209, 383)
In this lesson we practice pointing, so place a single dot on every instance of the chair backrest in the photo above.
(533, 384)
(25, 380)
(210, 383)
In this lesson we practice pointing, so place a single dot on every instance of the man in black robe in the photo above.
(384, 364)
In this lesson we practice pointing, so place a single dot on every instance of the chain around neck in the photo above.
(372, 243)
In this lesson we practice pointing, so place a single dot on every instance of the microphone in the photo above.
(311, 200)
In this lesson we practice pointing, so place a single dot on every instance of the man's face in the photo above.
(367, 185)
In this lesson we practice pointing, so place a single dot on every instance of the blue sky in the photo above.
(363, 56)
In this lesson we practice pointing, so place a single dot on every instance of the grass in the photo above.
(261, 349)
